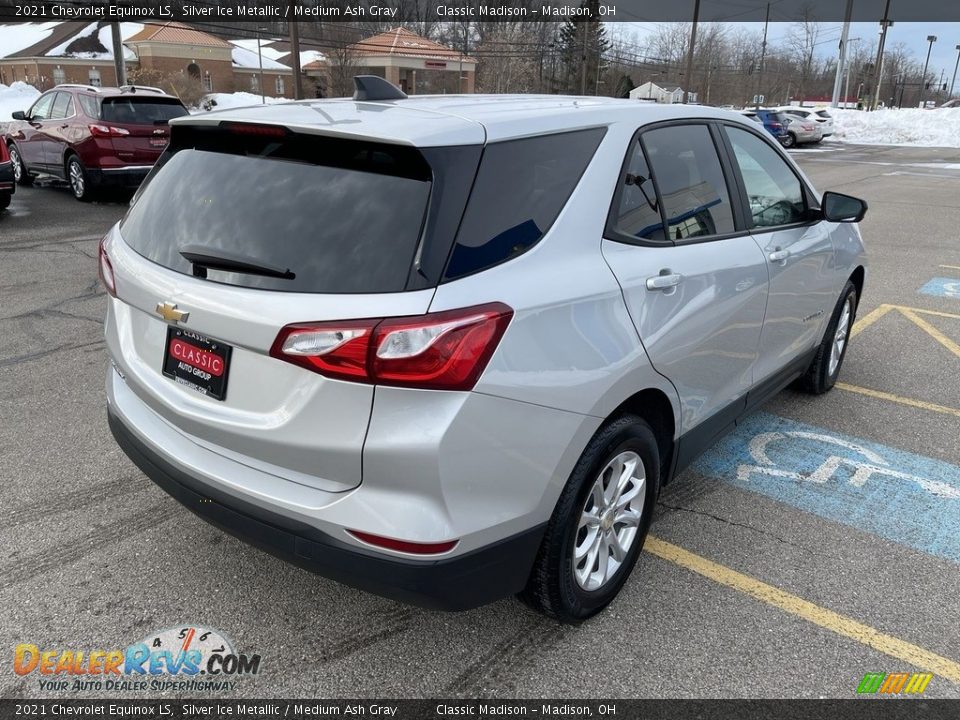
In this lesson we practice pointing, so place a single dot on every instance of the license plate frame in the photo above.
(197, 362)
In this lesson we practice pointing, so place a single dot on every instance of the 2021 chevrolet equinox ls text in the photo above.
(449, 348)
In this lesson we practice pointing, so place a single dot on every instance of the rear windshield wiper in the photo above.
(204, 258)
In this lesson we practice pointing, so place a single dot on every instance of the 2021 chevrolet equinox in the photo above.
(449, 348)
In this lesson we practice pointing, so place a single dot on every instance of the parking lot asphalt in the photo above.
(770, 573)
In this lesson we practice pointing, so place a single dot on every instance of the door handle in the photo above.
(664, 281)
(64, 127)
(779, 255)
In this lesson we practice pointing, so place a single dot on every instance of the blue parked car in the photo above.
(772, 120)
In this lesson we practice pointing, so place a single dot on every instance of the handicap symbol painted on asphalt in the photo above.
(942, 287)
(901, 496)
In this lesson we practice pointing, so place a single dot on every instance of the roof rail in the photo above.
(91, 88)
(148, 88)
(374, 87)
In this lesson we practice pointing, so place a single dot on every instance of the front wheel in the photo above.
(20, 174)
(77, 177)
(823, 372)
(599, 524)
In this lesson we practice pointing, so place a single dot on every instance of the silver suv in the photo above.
(447, 349)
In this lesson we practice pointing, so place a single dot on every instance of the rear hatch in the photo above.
(137, 125)
(248, 229)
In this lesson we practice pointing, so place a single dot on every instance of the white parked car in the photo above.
(818, 115)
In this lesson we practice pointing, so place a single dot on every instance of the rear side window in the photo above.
(140, 110)
(690, 181)
(62, 106)
(91, 108)
(332, 215)
(521, 187)
(638, 213)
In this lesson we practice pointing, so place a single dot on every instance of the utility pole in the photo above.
(263, 95)
(763, 57)
(118, 61)
(878, 65)
(923, 79)
(295, 56)
(953, 82)
(693, 41)
(842, 59)
(583, 58)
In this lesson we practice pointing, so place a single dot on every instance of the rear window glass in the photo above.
(341, 216)
(823, 113)
(521, 187)
(140, 110)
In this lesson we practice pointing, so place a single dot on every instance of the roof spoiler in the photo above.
(374, 87)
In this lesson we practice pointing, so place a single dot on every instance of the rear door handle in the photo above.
(664, 281)
(779, 255)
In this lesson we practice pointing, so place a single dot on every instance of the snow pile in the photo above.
(928, 128)
(15, 37)
(225, 101)
(18, 96)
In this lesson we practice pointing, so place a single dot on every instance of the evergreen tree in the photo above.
(583, 42)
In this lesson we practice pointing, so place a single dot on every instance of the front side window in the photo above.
(688, 175)
(41, 108)
(774, 192)
(520, 189)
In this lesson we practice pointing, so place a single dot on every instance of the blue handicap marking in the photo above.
(907, 498)
(942, 287)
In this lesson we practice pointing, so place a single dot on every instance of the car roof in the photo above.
(436, 120)
(114, 91)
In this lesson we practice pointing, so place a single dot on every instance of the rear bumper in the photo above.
(130, 177)
(458, 583)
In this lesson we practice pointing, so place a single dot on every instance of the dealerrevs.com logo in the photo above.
(186, 658)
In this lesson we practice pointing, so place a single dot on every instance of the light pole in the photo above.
(846, 89)
(923, 78)
(952, 82)
(263, 96)
(878, 65)
(842, 59)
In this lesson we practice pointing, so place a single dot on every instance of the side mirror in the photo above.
(18, 115)
(842, 208)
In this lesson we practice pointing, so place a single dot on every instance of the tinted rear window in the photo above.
(140, 110)
(521, 187)
(342, 216)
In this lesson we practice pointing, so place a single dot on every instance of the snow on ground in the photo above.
(238, 99)
(18, 96)
(913, 126)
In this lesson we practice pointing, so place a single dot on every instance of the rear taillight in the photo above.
(105, 270)
(439, 351)
(407, 546)
(107, 131)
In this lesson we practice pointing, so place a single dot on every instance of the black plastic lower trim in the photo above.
(459, 583)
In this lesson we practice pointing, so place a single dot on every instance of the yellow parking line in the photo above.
(924, 311)
(951, 267)
(933, 407)
(870, 318)
(931, 331)
(835, 622)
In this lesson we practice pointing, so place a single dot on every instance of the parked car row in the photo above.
(91, 137)
(794, 125)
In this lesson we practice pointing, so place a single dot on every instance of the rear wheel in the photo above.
(20, 173)
(5, 200)
(789, 140)
(80, 184)
(823, 372)
(599, 525)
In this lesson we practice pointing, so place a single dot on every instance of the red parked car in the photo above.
(92, 137)
(7, 185)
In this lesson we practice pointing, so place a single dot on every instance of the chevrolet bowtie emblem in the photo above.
(169, 312)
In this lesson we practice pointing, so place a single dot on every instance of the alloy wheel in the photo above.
(840, 336)
(17, 164)
(609, 521)
(77, 181)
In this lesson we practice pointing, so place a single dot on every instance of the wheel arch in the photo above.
(858, 278)
(654, 406)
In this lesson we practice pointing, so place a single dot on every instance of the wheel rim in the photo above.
(76, 178)
(609, 521)
(17, 167)
(840, 336)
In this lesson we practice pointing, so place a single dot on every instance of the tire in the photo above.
(789, 141)
(20, 173)
(5, 200)
(824, 370)
(77, 178)
(563, 588)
